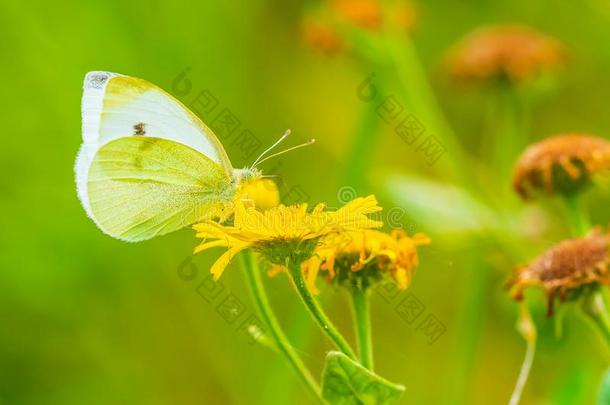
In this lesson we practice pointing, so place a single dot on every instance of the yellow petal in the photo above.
(401, 278)
(389, 253)
(421, 239)
(204, 246)
(223, 261)
(275, 270)
(313, 266)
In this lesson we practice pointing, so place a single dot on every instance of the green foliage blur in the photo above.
(89, 319)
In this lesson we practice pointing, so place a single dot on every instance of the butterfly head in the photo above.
(247, 174)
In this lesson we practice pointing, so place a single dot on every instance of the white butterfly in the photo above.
(148, 166)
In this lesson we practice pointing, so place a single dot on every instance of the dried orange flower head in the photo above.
(563, 164)
(372, 14)
(323, 24)
(506, 52)
(567, 267)
(364, 13)
(363, 257)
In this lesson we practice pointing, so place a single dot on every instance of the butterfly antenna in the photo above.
(310, 142)
(258, 159)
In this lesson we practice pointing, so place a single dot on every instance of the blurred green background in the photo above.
(89, 319)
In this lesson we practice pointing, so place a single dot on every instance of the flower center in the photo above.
(280, 251)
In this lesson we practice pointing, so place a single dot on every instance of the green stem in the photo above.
(509, 132)
(595, 309)
(577, 216)
(300, 330)
(524, 373)
(362, 319)
(294, 270)
(526, 327)
(415, 87)
(471, 316)
(277, 334)
(361, 149)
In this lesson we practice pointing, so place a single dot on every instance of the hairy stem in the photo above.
(294, 270)
(362, 322)
(277, 334)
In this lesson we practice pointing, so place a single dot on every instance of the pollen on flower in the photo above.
(513, 52)
(263, 193)
(567, 267)
(283, 233)
(363, 257)
(563, 163)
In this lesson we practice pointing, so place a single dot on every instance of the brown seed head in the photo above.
(511, 52)
(562, 163)
(566, 267)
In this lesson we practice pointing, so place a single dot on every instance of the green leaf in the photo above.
(440, 207)
(345, 382)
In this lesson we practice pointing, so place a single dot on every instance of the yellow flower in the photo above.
(363, 256)
(262, 192)
(283, 233)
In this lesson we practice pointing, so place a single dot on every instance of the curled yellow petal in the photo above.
(208, 245)
(312, 273)
(223, 261)
(394, 254)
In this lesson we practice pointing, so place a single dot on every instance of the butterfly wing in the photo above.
(140, 187)
(116, 106)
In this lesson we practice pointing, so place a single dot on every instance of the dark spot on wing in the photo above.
(138, 129)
